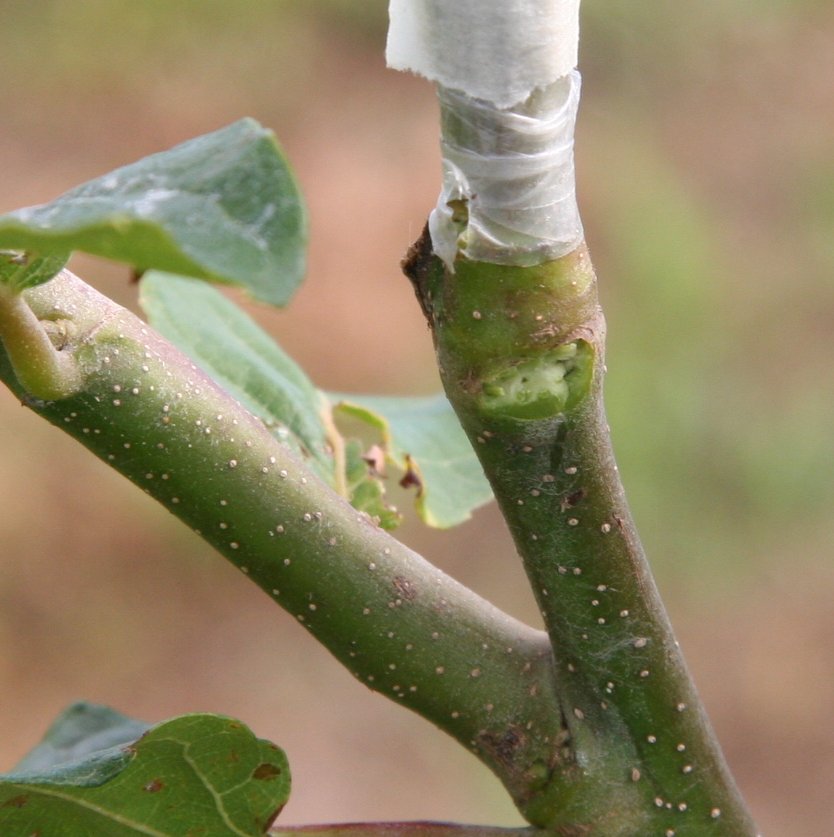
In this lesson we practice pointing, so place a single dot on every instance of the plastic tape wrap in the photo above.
(497, 50)
(509, 189)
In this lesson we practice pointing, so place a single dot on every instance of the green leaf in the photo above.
(19, 270)
(197, 774)
(243, 359)
(80, 731)
(423, 438)
(222, 207)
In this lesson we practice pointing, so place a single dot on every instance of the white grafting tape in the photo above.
(509, 95)
(496, 50)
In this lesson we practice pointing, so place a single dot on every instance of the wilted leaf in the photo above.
(423, 438)
(366, 489)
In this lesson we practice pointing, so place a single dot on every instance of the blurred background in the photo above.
(706, 178)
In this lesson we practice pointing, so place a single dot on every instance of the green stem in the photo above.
(397, 623)
(35, 351)
(521, 353)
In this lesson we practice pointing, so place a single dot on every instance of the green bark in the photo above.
(521, 354)
(395, 621)
(601, 734)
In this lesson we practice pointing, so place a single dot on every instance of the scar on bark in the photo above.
(418, 265)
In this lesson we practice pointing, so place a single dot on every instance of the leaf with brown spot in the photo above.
(16, 801)
(195, 774)
(266, 770)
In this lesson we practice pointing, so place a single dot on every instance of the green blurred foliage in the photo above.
(712, 241)
(133, 51)
(721, 430)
